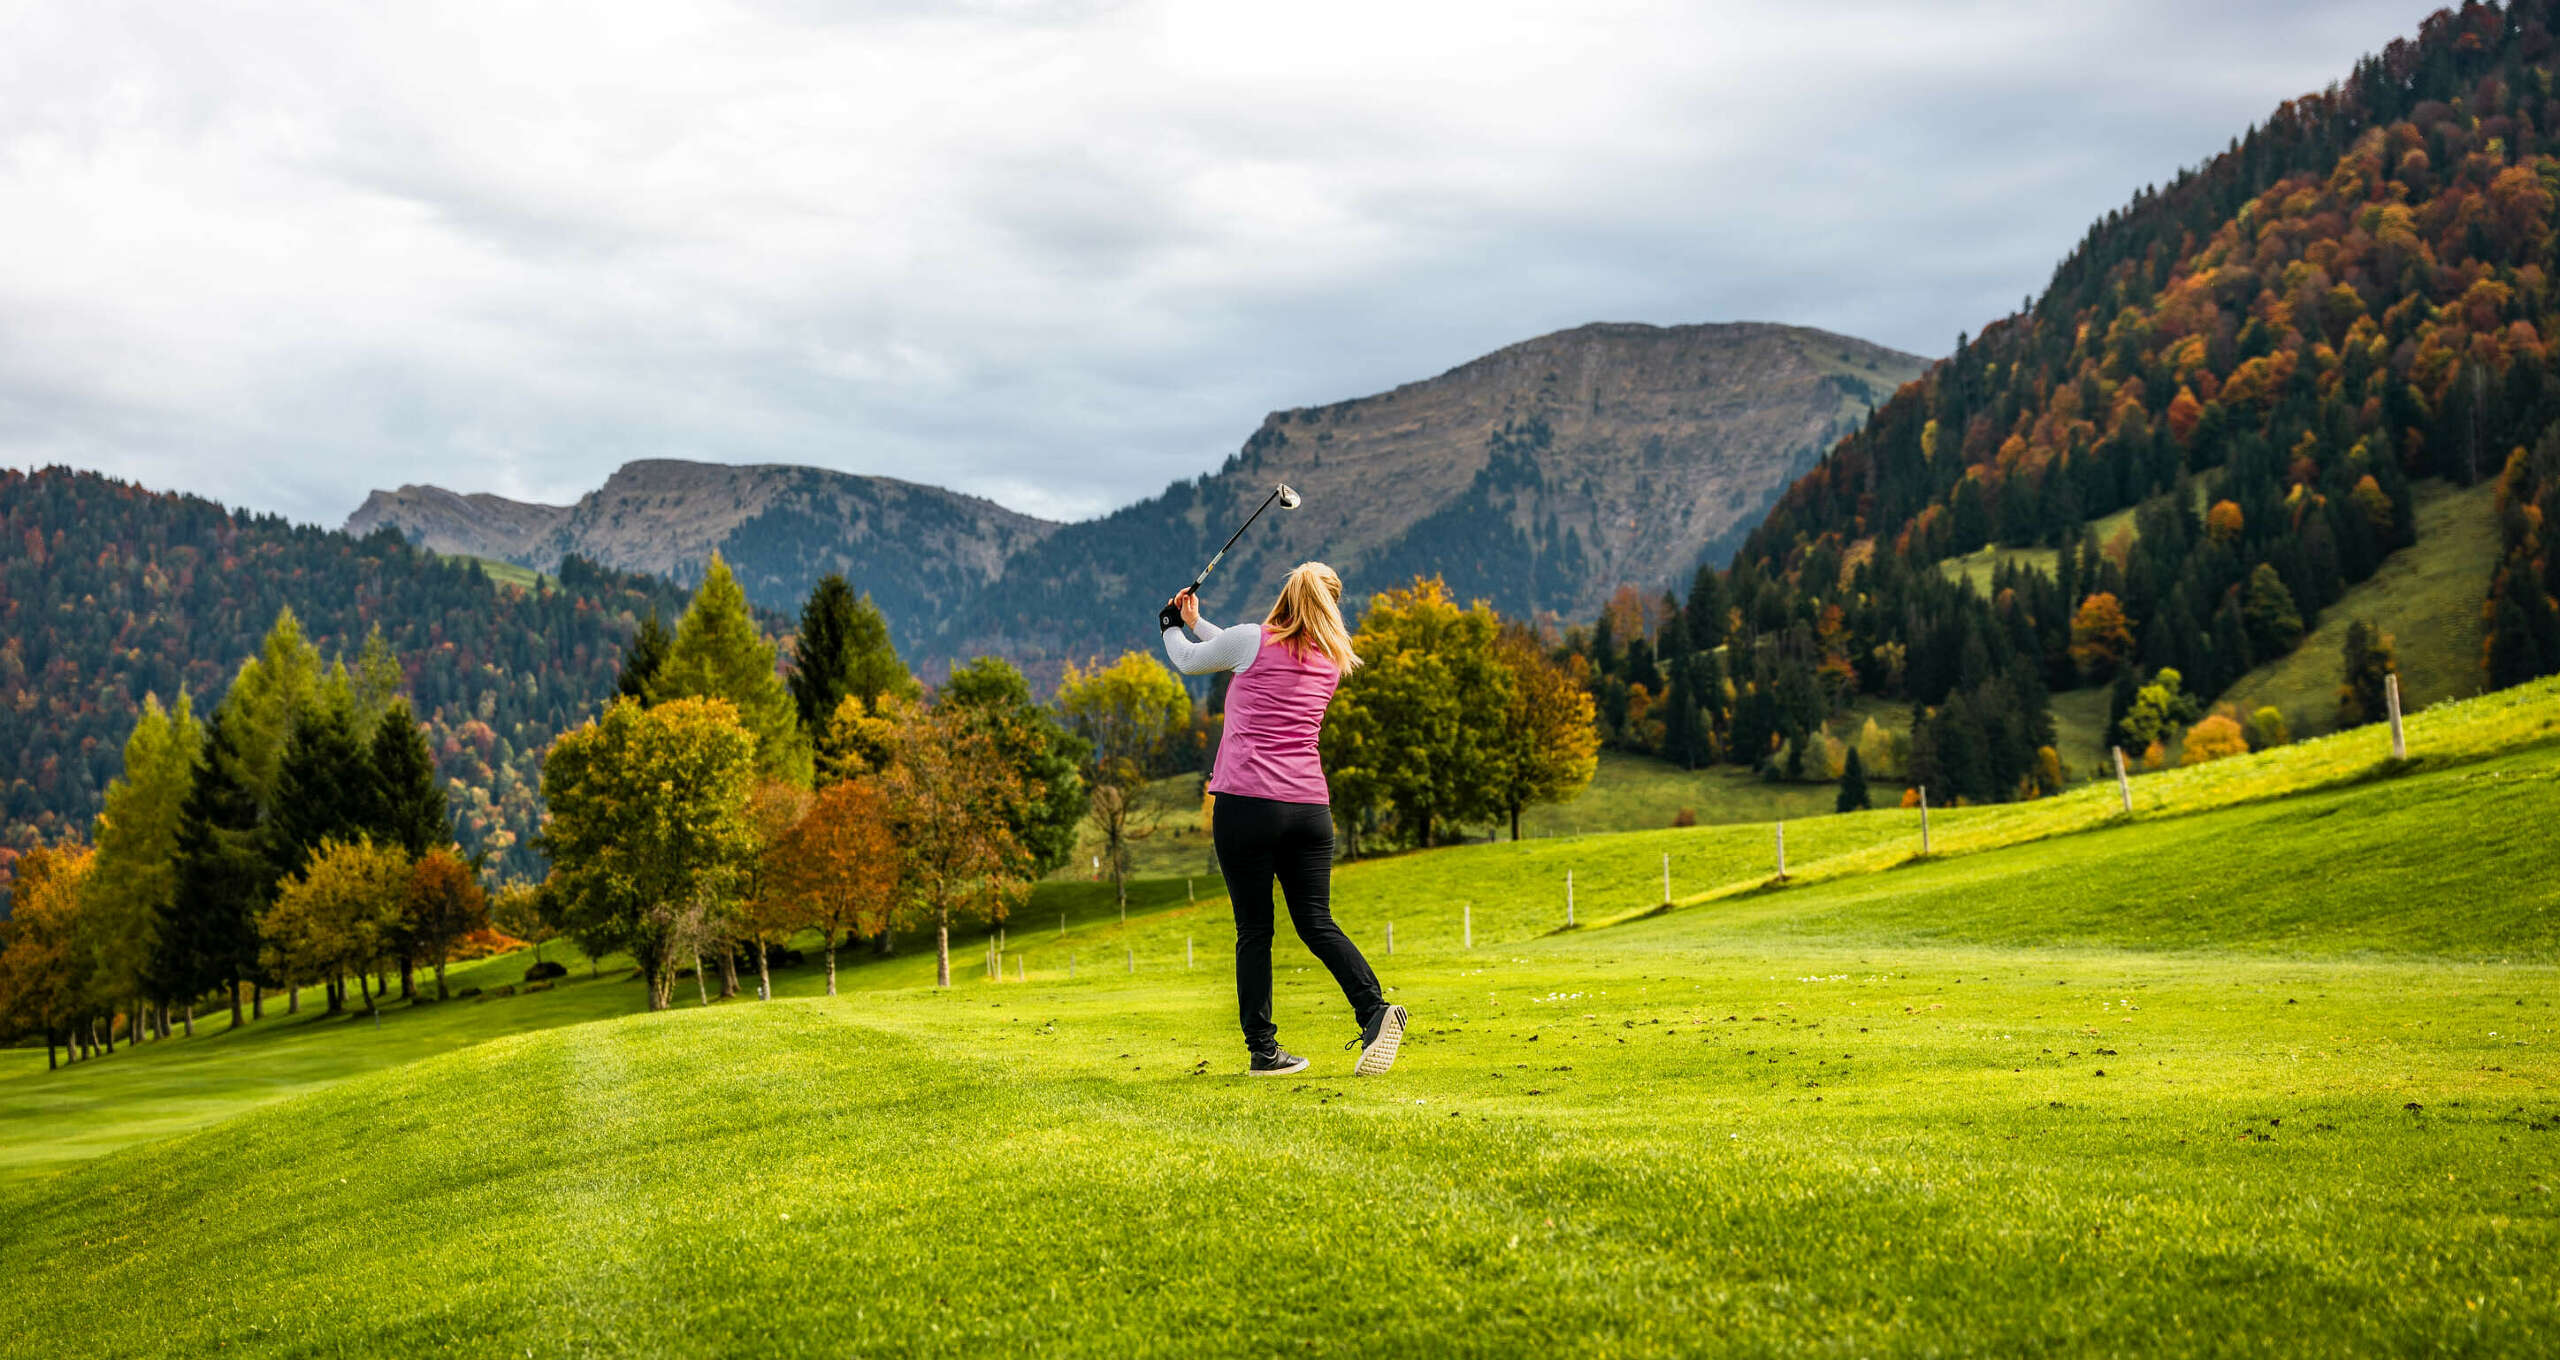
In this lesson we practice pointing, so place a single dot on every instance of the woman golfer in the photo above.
(1274, 815)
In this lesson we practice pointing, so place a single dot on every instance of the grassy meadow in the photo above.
(2270, 1060)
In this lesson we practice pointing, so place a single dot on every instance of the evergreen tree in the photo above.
(843, 650)
(718, 653)
(641, 659)
(209, 938)
(322, 791)
(2274, 624)
(1853, 784)
(405, 805)
(2365, 660)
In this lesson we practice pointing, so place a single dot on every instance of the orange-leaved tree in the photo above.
(835, 869)
(42, 966)
(2101, 636)
(445, 902)
(949, 793)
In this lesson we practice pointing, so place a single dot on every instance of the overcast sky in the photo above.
(1057, 254)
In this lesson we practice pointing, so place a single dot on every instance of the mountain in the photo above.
(2356, 296)
(109, 592)
(916, 549)
(1541, 477)
(2213, 423)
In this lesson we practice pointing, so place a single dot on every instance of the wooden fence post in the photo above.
(1133, 958)
(1782, 851)
(1391, 939)
(2391, 696)
(1924, 819)
(1666, 878)
(1469, 918)
(2124, 786)
(1568, 898)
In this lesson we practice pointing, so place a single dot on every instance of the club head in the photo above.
(1288, 498)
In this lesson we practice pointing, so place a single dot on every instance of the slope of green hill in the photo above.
(2197, 1083)
(2427, 596)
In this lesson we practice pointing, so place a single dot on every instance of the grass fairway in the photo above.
(2271, 1062)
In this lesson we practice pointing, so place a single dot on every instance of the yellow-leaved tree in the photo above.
(649, 837)
(1128, 713)
(1549, 748)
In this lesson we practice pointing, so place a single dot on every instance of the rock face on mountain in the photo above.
(1540, 477)
(916, 549)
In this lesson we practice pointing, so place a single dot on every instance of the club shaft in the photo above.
(1231, 538)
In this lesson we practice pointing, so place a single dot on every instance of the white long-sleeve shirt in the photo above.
(1216, 648)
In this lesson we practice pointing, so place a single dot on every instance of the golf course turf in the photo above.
(2266, 1069)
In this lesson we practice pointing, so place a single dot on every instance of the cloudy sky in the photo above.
(1052, 253)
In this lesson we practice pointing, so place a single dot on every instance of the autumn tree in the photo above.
(444, 903)
(836, 868)
(1419, 726)
(2212, 739)
(135, 882)
(649, 836)
(1127, 713)
(1548, 749)
(2366, 662)
(2158, 709)
(767, 916)
(517, 908)
(44, 974)
(947, 791)
(340, 914)
(719, 653)
(2101, 636)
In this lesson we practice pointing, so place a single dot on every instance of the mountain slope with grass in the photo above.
(2274, 1056)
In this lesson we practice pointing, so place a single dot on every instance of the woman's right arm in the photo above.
(1219, 649)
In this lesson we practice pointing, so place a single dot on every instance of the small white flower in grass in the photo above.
(786, 1218)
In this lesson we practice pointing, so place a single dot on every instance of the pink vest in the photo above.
(1275, 708)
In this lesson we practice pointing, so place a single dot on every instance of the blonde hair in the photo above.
(1308, 614)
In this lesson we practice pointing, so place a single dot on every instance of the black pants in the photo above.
(1259, 840)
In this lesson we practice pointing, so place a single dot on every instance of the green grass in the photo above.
(1979, 565)
(505, 573)
(2272, 1060)
(2427, 596)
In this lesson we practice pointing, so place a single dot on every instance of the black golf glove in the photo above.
(1167, 618)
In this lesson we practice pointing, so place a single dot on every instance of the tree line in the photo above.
(296, 837)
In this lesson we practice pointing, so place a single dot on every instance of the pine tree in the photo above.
(404, 804)
(1853, 784)
(843, 650)
(209, 936)
(641, 659)
(718, 653)
(322, 790)
(2366, 659)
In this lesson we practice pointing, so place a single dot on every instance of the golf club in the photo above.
(1288, 501)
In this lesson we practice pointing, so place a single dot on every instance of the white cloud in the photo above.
(1055, 253)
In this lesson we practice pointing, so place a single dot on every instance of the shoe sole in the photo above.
(1381, 1055)
(1299, 1066)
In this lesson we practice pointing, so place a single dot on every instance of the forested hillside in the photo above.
(2262, 356)
(110, 592)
